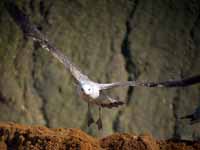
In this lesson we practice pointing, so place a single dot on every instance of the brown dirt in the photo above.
(14, 136)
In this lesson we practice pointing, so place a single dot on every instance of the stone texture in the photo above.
(163, 47)
(109, 40)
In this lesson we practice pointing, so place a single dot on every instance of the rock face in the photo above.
(162, 46)
(109, 40)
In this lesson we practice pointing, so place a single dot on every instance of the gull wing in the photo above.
(104, 86)
(30, 30)
(168, 84)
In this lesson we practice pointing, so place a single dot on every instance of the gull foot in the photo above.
(90, 121)
(99, 124)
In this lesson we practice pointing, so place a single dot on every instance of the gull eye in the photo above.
(89, 89)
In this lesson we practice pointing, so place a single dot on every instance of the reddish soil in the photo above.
(15, 136)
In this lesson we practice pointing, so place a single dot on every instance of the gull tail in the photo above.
(112, 104)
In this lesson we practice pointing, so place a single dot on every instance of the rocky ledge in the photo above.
(16, 136)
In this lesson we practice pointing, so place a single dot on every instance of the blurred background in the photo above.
(110, 40)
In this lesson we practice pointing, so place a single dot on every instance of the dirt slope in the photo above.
(16, 136)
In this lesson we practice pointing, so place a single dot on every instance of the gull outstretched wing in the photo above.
(169, 83)
(104, 86)
(31, 30)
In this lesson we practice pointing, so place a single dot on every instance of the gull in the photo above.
(193, 117)
(90, 91)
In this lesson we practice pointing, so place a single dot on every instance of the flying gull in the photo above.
(90, 91)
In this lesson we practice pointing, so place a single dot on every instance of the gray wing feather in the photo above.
(117, 84)
(168, 84)
(143, 84)
(77, 74)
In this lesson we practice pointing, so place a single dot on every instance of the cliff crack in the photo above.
(126, 52)
(129, 64)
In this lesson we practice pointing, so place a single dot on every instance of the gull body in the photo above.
(91, 89)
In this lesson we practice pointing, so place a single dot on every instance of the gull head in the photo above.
(91, 90)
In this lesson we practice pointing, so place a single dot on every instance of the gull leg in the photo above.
(99, 121)
(89, 116)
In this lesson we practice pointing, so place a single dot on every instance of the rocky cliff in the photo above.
(109, 40)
